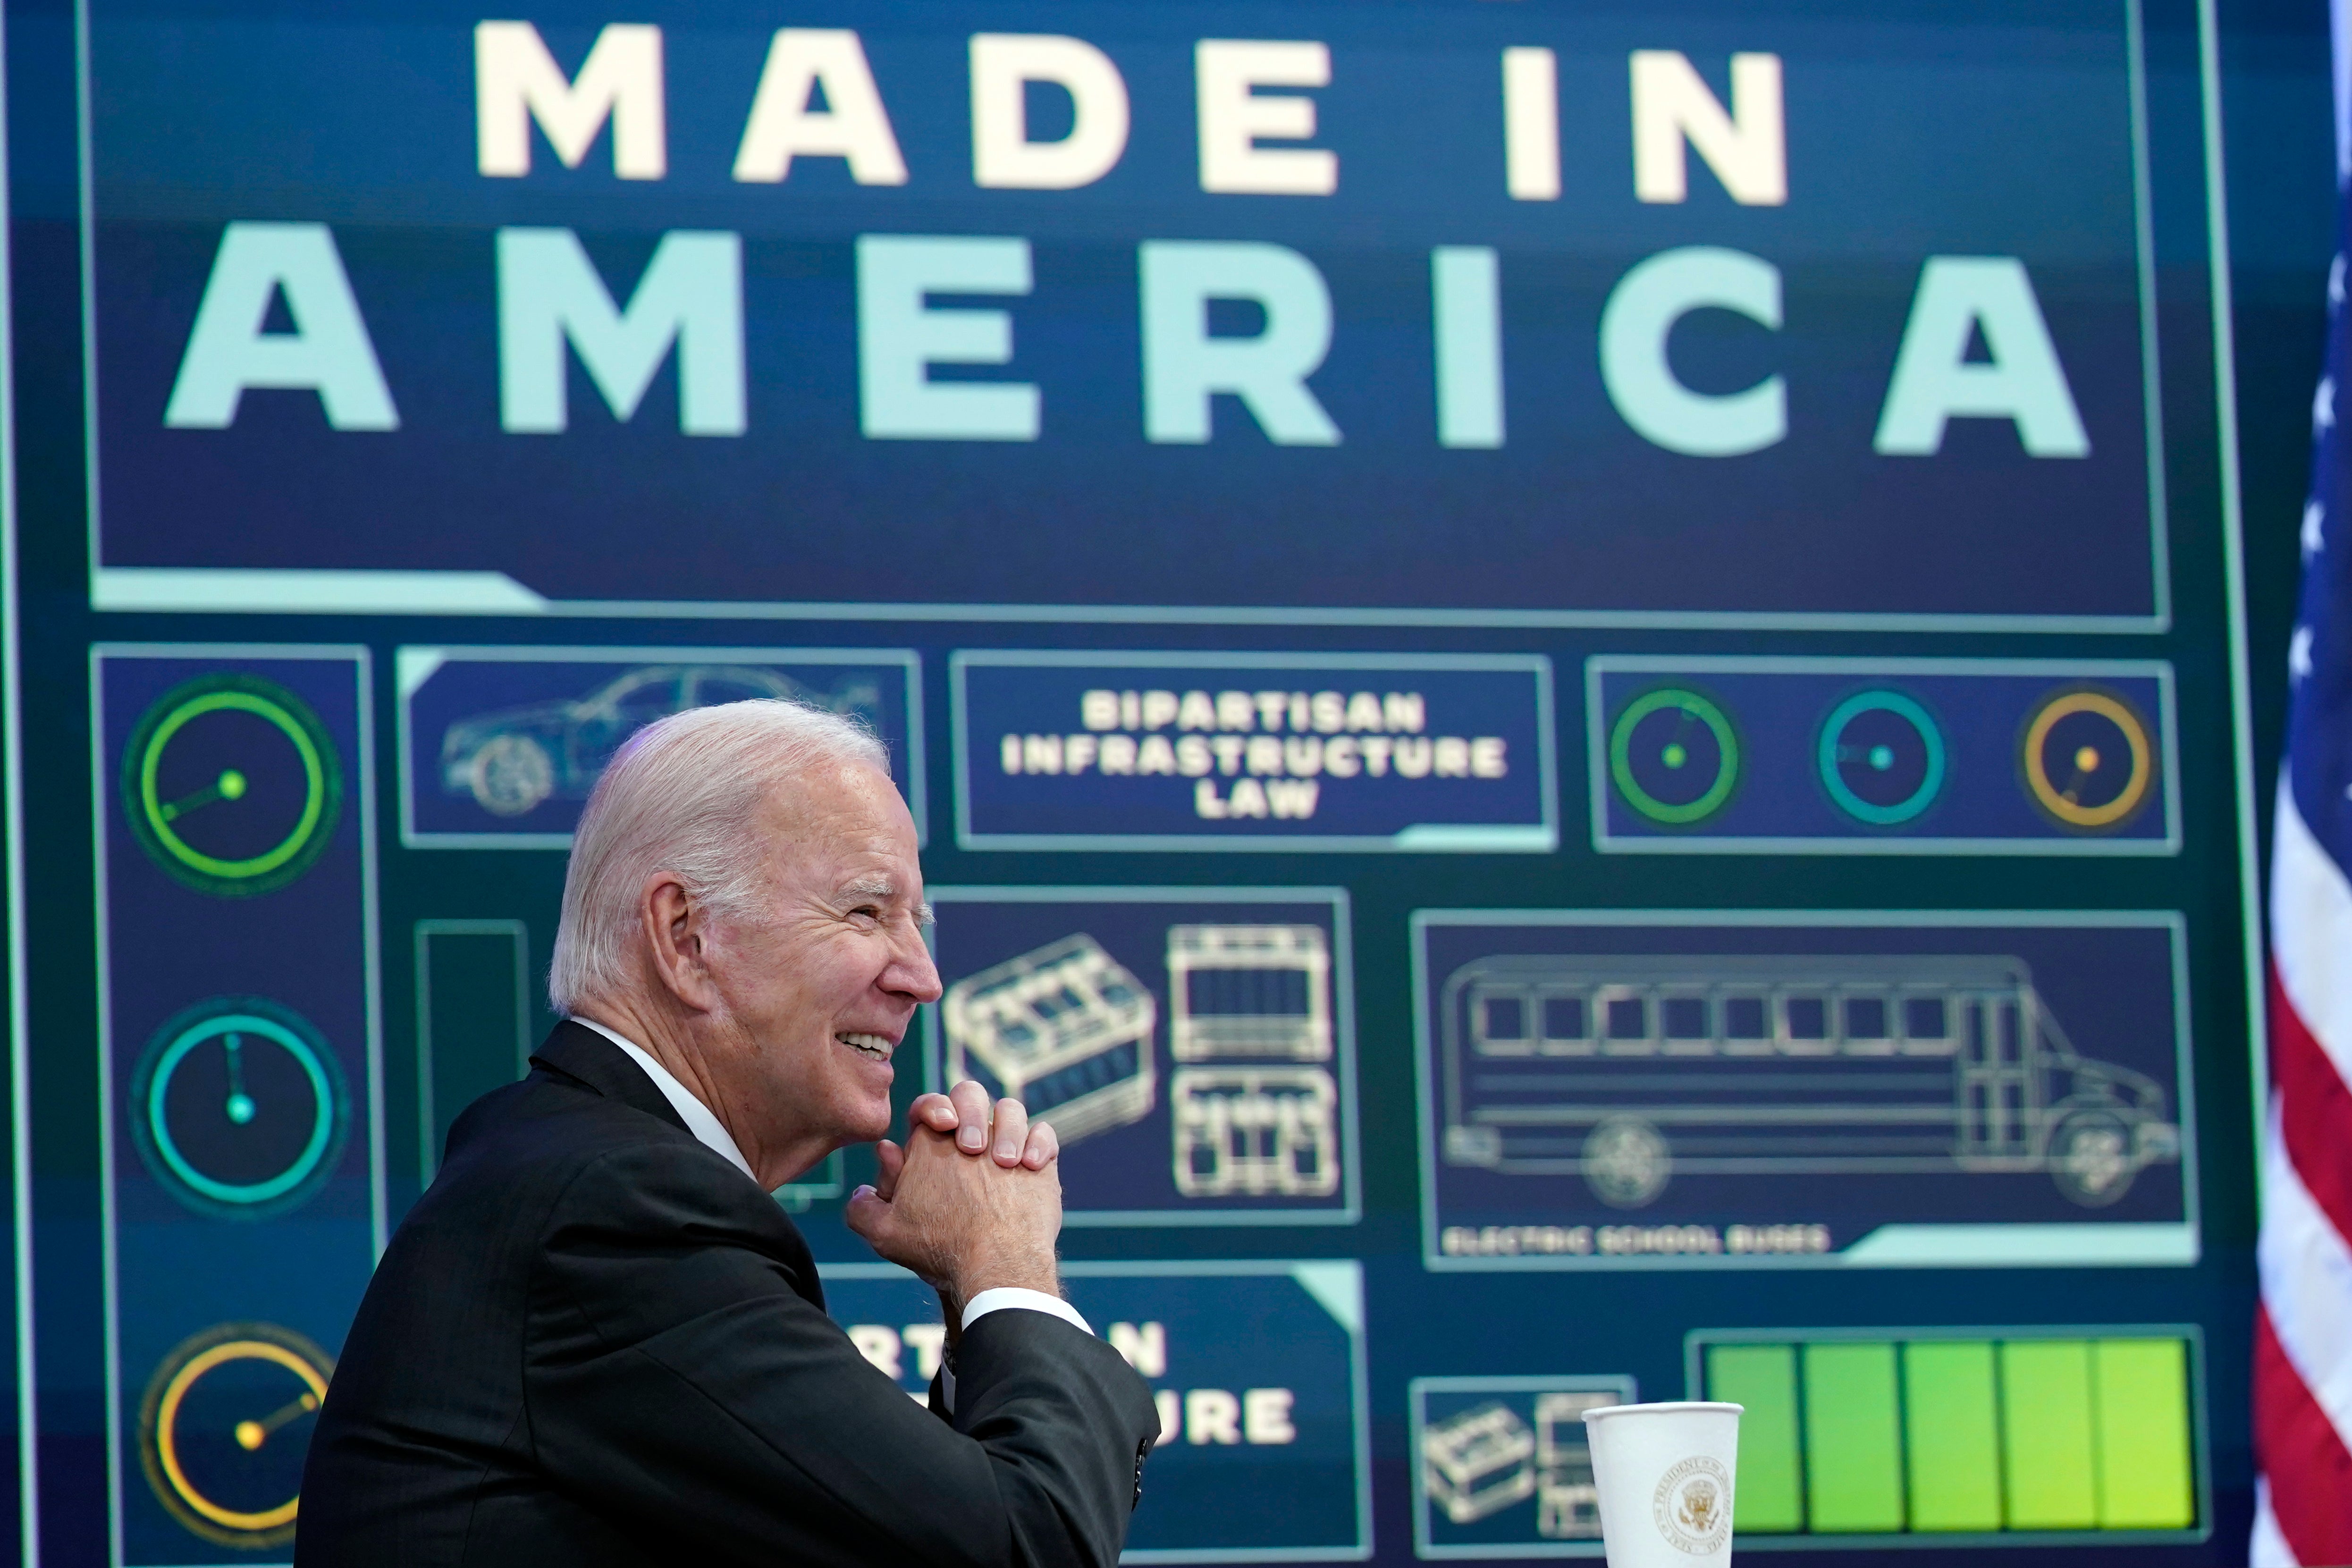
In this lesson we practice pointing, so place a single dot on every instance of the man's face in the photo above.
(823, 989)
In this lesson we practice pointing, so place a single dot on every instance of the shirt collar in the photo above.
(708, 1129)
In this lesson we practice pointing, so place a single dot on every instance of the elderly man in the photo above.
(597, 1340)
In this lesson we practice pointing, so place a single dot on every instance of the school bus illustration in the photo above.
(1628, 1070)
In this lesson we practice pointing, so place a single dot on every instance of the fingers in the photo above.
(868, 1214)
(1001, 1130)
(971, 1116)
(935, 1112)
(889, 1161)
(1011, 1133)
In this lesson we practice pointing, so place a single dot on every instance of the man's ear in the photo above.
(677, 938)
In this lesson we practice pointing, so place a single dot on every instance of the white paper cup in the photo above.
(1665, 1475)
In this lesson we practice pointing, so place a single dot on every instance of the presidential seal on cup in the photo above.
(1665, 1475)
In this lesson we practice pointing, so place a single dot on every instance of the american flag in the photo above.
(2303, 1330)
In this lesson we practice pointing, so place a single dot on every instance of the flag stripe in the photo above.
(2268, 1549)
(2311, 931)
(2295, 1439)
(2316, 1113)
(2303, 1346)
(2306, 1279)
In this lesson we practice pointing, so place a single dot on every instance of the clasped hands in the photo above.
(971, 1203)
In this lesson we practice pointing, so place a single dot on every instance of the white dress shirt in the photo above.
(713, 1135)
(708, 1129)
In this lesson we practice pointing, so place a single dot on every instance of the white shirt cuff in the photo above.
(988, 1301)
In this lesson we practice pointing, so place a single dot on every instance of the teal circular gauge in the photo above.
(1881, 758)
(231, 785)
(238, 1108)
(1674, 756)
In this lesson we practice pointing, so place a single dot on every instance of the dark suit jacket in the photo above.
(595, 1341)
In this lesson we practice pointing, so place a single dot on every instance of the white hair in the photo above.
(683, 797)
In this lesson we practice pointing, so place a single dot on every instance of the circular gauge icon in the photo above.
(1674, 756)
(238, 1108)
(223, 1428)
(2089, 761)
(1881, 757)
(231, 785)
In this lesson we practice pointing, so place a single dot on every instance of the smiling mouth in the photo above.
(874, 1047)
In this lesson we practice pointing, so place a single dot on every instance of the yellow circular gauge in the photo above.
(225, 1427)
(231, 785)
(2088, 759)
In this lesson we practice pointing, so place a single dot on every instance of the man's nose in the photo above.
(912, 971)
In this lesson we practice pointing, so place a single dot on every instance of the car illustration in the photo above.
(1629, 1070)
(514, 760)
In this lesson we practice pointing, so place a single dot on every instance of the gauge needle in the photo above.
(230, 786)
(240, 1105)
(251, 1435)
(2087, 763)
(1675, 753)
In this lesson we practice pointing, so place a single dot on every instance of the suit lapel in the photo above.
(582, 1054)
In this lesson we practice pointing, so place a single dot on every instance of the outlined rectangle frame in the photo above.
(365, 790)
(1343, 1018)
(1416, 1416)
(2165, 1244)
(405, 660)
(421, 936)
(1321, 1277)
(1596, 747)
(1542, 838)
(187, 590)
(1695, 1344)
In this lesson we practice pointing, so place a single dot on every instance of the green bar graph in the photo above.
(2046, 1431)
(1854, 1438)
(1992, 1436)
(1952, 1427)
(1769, 1495)
(2142, 1389)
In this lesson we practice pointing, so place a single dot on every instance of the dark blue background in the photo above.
(1778, 718)
(1515, 1524)
(1224, 1330)
(1130, 1168)
(169, 947)
(466, 689)
(1001, 700)
(1904, 142)
(2111, 989)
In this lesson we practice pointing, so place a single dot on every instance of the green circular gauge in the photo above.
(231, 785)
(1881, 757)
(1674, 756)
(238, 1108)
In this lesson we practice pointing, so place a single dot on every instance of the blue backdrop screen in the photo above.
(1567, 674)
